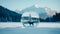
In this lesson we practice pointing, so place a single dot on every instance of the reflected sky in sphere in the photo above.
(33, 14)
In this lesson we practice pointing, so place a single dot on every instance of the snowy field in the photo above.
(18, 24)
(41, 28)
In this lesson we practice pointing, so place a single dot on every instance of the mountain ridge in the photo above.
(7, 15)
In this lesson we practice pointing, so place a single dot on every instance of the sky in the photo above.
(22, 4)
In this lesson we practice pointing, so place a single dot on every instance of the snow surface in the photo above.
(39, 25)
(17, 28)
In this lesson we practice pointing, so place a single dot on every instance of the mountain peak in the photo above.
(36, 5)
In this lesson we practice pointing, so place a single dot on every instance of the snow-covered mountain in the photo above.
(43, 12)
(50, 11)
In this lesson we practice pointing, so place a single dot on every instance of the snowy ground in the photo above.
(18, 24)
(17, 28)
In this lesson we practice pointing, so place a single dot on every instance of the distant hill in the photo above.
(7, 15)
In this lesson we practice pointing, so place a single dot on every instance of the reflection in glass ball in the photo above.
(30, 18)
